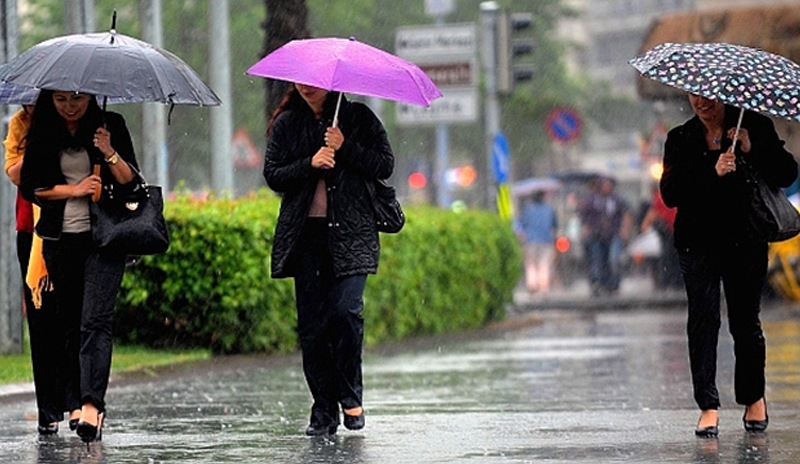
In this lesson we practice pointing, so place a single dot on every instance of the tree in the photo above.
(372, 21)
(286, 20)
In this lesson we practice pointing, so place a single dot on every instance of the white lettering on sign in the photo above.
(457, 105)
(412, 42)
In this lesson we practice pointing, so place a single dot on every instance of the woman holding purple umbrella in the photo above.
(701, 179)
(326, 238)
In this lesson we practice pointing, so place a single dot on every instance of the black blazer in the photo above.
(711, 209)
(42, 170)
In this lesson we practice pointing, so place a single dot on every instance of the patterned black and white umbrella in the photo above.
(744, 77)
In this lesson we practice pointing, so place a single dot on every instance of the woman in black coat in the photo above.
(326, 238)
(703, 179)
(69, 134)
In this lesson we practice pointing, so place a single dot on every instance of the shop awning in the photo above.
(775, 29)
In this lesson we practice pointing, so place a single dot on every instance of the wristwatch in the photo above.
(113, 159)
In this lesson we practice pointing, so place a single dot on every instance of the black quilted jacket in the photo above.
(366, 154)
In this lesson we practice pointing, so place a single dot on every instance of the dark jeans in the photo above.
(742, 270)
(47, 343)
(330, 326)
(603, 269)
(87, 283)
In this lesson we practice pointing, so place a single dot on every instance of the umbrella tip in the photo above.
(352, 39)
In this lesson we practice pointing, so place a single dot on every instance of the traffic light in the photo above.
(417, 180)
(511, 49)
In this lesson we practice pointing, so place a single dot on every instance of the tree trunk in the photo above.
(286, 20)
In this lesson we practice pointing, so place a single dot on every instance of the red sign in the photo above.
(564, 124)
(448, 74)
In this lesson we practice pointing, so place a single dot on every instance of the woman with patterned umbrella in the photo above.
(703, 179)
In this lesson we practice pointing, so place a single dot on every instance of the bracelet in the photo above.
(113, 159)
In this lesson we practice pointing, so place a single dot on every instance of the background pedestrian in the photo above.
(606, 223)
(537, 228)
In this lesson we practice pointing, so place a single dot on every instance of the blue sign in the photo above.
(500, 158)
(564, 124)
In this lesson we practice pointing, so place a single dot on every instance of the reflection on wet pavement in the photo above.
(594, 387)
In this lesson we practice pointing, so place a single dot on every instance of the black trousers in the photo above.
(330, 326)
(742, 269)
(87, 283)
(46, 341)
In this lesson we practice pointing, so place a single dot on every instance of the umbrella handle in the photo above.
(336, 113)
(738, 126)
(97, 193)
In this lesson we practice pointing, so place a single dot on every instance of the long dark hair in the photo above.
(294, 101)
(49, 134)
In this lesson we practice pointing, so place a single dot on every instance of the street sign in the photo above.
(459, 104)
(564, 124)
(446, 53)
(450, 74)
(500, 157)
(444, 41)
(438, 7)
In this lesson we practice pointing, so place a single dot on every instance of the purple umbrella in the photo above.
(347, 65)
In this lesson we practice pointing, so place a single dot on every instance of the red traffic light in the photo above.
(417, 180)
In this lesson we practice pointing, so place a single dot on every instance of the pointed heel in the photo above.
(756, 426)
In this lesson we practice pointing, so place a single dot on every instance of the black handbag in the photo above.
(131, 223)
(771, 217)
(389, 216)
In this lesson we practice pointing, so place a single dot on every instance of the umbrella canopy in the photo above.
(11, 94)
(535, 184)
(347, 65)
(744, 77)
(121, 68)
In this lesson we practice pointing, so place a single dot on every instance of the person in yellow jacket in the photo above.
(46, 337)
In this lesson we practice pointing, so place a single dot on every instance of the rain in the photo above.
(538, 96)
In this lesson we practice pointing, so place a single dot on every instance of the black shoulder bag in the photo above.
(771, 217)
(131, 222)
(389, 216)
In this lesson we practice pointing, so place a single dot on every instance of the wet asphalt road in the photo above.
(553, 387)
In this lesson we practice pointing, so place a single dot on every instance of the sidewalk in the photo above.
(635, 292)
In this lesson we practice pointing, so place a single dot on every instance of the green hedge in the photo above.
(445, 271)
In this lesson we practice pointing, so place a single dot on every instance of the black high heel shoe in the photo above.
(711, 431)
(73, 423)
(48, 429)
(89, 432)
(756, 426)
(354, 422)
(317, 429)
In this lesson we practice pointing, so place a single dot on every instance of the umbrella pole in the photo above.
(738, 126)
(336, 113)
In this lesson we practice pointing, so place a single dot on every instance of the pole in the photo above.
(79, 15)
(10, 279)
(221, 119)
(154, 133)
(489, 14)
(442, 153)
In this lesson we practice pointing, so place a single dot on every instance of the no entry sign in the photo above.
(564, 124)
